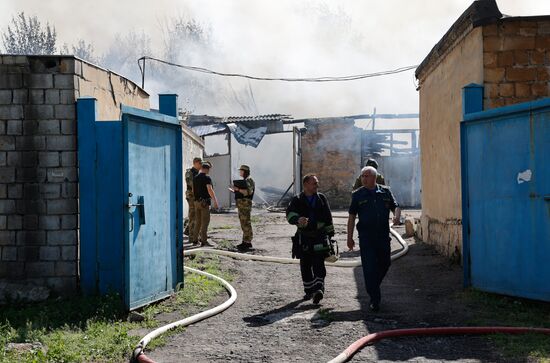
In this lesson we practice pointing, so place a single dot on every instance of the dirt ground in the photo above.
(270, 323)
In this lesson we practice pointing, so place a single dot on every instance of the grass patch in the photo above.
(254, 219)
(225, 226)
(84, 329)
(225, 244)
(498, 310)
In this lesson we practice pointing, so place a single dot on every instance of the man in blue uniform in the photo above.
(372, 203)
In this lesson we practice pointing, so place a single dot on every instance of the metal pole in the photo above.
(143, 76)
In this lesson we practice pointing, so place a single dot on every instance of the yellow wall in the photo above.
(440, 116)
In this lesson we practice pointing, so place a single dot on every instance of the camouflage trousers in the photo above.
(190, 217)
(202, 219)
(245, 208)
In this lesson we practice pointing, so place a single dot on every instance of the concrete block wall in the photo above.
(38, 174)
(331, 148)
(516, 59)
(38, 166)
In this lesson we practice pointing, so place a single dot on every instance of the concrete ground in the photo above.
(270, 323)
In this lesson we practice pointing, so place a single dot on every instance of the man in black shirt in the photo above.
(204, 195)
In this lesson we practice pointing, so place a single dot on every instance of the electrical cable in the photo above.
(283, 79)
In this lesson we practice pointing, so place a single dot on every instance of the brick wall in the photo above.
(331, 148)
(516, 57)
(38, 166)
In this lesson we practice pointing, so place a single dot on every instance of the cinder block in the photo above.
(7, 206)
(6, 97)
(14, 158)
(65, 111)
(69, 190)
(15, 222)
(68, 127)
(30, 222)
(3, 127)
(52, 97)
(67, 66)
(65, 286)
(48, 159)
(48, 253)
(62, 206)
(3, 222)
(37, 96)
(11, 112)
(11, 80)
(28, 253)
(61, 143)
(59, 175)
(68, 158)
(3, 158)
(9, 253)
(69, 221)
(64, 81)
(56, 238)
(30, 142)
(15, 191)
(7, 175)
(67, 97)
(34, 80)
(68, 253)
(30, 206)
(31, 238)
(30, 175)
(30, 127)
(29, 158)
(50, 190)
(39, 112)
(7, 238)
(20, 96)
(42, 269)
(48, 127)
(15, 127)
(49, 222)
(65, 268)
(32, 191)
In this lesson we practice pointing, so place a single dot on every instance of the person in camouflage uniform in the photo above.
(243, 198)
(379, 178)
(189, 175)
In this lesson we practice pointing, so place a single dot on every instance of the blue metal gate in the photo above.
(506, 197)
(131, 202)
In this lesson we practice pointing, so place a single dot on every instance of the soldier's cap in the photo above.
(245, 168)
(207, 164)
(372, 162)
(197, 160)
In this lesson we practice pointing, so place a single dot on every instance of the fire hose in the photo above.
(139, 356)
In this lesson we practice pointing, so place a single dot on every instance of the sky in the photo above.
(283, 38)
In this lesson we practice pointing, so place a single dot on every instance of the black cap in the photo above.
(372, 162)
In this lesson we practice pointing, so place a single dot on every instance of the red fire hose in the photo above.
(374, 337)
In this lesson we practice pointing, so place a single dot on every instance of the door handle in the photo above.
(140, 206)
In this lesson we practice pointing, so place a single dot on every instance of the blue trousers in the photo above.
(375, 260)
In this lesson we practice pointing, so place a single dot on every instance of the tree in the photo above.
(26, 35)
(82, 50)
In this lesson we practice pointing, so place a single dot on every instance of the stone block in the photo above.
(492, 43)
(3, 222)
(28, 253)
(43, 81)
(11, 112)
(30, 222)
(48, 159)
(11, 80)
(48, 253)
(521, 57)
(543, 74)
(56, 238)
(15, 191)
(6, 97)
(3, 191)
(67, 97)
(20, 96)
(490, 59)
(15, 222)
(31, 238)
(62, 206)
(62, 285)
(7, 175)
(49, 222)
(495, 75)
(69, 221)
(37, 96)
(7, 143)
(30, 143)
(506, 89)
(61, 143)
(52, 97)
(50, 190)
(505, 59)
(41, 269)
(30, 127)
(69, 190)
(30, 175)
(522, 89)
(68, 158)
(48, 127)
(539, 89)
(537, 57)
(58, 175)
(520, 74)
(14, 127)
(68, 127)
(3, 127)
(64, 81)
(7, 238)
(9, 253)
(7, 206)
(543, 42)
(3, 158)
(68, 253)
(39, 112)
(65, 111)
(65, 268)
(518, 42)
(32, 191)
